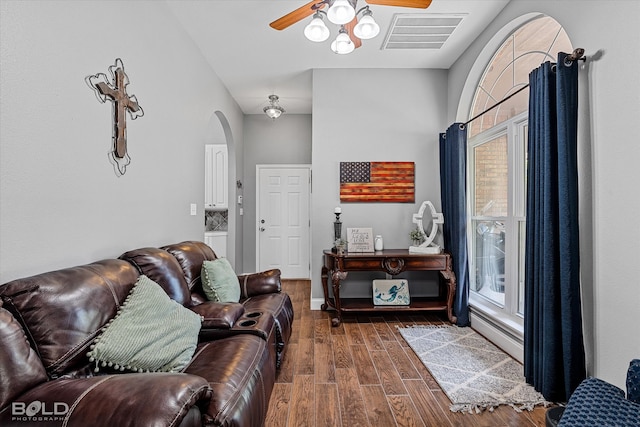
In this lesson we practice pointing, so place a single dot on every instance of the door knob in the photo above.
(262, 221)
(261, 228)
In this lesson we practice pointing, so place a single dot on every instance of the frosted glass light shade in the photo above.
(316, 31)
(342, 44)
(341, 12)
(273, 110)
(273, 113)
(367, 28)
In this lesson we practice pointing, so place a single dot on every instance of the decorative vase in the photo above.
(378, 244)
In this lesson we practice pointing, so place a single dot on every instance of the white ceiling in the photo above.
(253, 60)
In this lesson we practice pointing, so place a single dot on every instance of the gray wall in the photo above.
(286, 140)
(373, 115)
(609, 156)
(61, 203)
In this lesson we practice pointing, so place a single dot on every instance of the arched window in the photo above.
(525, 49)
(497, 168)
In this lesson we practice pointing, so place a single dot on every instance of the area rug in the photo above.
(475, 374)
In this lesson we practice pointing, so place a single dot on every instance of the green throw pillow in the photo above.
(150, 332)
(219, 281)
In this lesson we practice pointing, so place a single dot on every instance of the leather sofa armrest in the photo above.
(218, 315)
(20, 367)
(114, 400)
(265, 282)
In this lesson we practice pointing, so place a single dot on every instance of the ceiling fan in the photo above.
(345, 14)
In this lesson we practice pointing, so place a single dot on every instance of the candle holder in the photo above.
(337, 228)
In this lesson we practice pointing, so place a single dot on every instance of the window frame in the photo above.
(506, 314)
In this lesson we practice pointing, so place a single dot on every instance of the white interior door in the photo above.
(283, 229)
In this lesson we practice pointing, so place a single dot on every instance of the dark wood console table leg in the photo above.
(325, 288)
(336, 277)
(450, 277)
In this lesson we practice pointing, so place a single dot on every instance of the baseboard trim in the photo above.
(316, 303)
(500, 336)
(494, 332)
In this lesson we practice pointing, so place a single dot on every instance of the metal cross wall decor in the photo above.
(115, 90)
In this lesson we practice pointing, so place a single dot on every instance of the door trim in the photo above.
(259, 168)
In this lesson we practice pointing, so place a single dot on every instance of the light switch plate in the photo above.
(194, 209)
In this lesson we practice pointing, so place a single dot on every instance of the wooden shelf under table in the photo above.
(417, 304)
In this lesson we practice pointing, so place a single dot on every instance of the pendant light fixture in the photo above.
(316, 30)
(273, 110)
(342, 44)
(341, 12)
(367, 28)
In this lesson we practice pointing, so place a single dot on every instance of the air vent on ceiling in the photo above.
(420, 31)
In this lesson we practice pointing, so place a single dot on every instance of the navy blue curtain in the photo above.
(453, 189)
(554, 358)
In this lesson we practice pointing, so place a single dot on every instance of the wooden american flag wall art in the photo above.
(391, 182)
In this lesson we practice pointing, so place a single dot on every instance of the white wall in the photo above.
(609, 157)
(286, 140)
(61, 203)
(373, 115)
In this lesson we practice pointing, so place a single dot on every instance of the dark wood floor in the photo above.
(345, 376)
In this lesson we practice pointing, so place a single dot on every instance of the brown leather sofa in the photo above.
(49, 321)
(177, 269)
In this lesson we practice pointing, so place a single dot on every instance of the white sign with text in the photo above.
(360, 239)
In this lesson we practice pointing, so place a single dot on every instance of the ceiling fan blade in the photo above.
(295, 16)
(418, 4)
(349, 27)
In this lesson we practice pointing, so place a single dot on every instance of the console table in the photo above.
(391, 261)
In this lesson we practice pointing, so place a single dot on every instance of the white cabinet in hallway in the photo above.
(217, 240)
(216, 184)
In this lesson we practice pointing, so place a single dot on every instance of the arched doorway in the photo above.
(221, 225)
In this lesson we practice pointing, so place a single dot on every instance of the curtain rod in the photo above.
(576, 55)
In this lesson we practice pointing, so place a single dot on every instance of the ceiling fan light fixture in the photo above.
(342, 45)
(360, 22)
(316, 30)
(367, 27)
(341, 12)
(273, 110)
